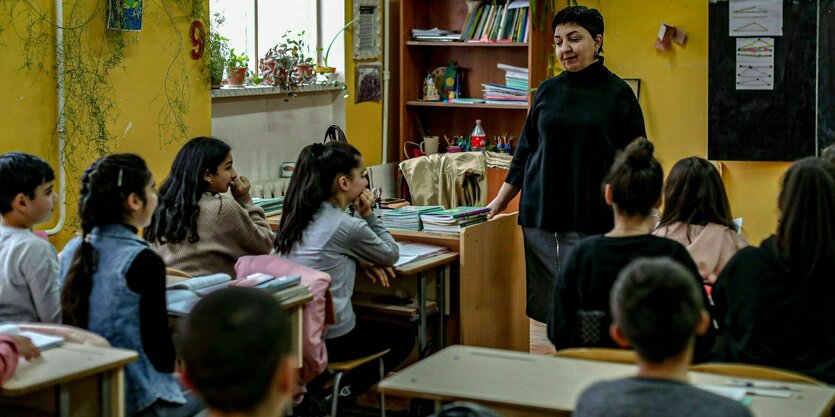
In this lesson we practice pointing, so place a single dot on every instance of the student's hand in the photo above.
(25, 347)
(240, 187)
(364, 202)
(376, 272)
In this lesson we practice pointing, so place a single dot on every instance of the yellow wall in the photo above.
(29, 100)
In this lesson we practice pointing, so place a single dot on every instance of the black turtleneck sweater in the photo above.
(577, 123)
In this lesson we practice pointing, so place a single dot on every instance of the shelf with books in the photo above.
(470, 44)
(417, 103)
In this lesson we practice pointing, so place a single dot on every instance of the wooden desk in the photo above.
(71, 380)
(524, 384)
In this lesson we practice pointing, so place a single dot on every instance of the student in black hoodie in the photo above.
(774, 302)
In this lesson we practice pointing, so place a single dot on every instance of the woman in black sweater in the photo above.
(774, 302)
(581, 315)
(578, 121)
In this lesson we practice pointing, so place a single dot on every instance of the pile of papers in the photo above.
(515, 77)
(502, 94)
(453, 220)
(271, 206)
(407, 218)
(411, 251)
(435, 35)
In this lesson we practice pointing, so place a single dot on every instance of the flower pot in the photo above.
(237, 76)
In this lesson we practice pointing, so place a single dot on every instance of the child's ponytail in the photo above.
(636, 178)
(104, 187)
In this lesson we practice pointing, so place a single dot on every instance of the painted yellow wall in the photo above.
(364, 121)
(29, 100)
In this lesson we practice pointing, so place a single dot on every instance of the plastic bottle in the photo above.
(478, 139)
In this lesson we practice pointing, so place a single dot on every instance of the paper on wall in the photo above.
(755, 18)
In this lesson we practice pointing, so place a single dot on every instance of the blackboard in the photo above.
(789, 122)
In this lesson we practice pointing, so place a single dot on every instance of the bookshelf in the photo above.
(417, 58)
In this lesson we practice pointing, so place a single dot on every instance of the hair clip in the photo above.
(119, 182)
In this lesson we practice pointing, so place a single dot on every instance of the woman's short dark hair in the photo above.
(806, 232)
(589, 19)
(695, 194)
(656, 303)
(636, 178)
(175, 218)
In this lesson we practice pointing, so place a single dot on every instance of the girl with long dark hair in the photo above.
(114, 284)
(196, 228)
(697, 214)
(774, 302)
(316, 231)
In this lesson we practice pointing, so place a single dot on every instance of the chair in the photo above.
(341, 368)
(600, 354)
(755, 372)
(177, 273)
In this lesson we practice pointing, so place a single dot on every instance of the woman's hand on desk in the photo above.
(377, 272)
(25, 347)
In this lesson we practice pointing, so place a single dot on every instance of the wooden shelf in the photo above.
(470, 44)
(365, 301)
(417, 103)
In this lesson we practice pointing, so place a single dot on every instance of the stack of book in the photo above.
(515, 77)
(435, 35)
(271, 206)
(487, 21)
(407, 218)
(453, 220)
(502, 94)
(182, 295)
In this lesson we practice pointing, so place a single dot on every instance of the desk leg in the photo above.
(421, 314)
(105, 408)
(440, 297)
(63, 400)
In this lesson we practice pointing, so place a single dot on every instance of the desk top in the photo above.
(62, 364)
(547, 383)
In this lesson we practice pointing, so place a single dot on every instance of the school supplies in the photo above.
(453, 220)
(41, 341)
(182, 296)
(271, 206)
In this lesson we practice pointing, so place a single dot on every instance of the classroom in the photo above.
(353, 207)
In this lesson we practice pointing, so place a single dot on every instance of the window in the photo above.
(255, 26)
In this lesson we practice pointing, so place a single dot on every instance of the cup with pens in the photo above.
(452, 145)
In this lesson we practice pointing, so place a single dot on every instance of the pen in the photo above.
(757, 384)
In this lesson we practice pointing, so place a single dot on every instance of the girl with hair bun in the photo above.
(114, 284)
(580, 315)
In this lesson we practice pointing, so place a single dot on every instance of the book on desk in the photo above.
(41, 341)
(181, 296)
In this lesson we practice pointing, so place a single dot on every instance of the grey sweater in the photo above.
(332, 243)
(29, 290)
(633, 397)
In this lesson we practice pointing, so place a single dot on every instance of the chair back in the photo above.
(600, 354)
(755, 372)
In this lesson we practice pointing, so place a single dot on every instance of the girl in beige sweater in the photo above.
(199, 229)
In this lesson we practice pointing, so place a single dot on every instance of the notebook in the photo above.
(41, 341)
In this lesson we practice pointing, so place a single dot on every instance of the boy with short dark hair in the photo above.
(237, 353)
(657, 309)
(29, 290)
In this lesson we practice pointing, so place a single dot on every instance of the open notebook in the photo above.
(41, 341)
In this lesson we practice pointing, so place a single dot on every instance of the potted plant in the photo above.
(279, 65)
(325, 69)
(218, 51)
(237, 68)
(299, 51)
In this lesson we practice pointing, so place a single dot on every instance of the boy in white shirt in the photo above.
(29, 290)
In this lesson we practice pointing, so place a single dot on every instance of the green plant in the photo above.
(298, 48)
(237, 61)
(328, 51)
(218, 49)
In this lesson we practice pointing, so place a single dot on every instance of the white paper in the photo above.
(754, 63)
(755, 18)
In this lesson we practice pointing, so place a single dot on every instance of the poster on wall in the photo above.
(369, 82)
(755, 18)
(124, 15)
(754, 63)
(367, 29)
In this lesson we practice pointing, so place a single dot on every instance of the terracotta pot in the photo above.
(237, 76)
(325, 70)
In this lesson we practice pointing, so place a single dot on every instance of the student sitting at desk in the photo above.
(773, 303)
(29, 290)
(581, 314)
(114, 284)
(658, 310)
(316, 232)
(196, 228)
(237, 353)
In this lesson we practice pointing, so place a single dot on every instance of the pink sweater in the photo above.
(711, 246)
(8, 357)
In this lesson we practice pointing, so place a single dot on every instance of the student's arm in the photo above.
(8, 357)
(565, 304)
(40, 268)
(370, 241)
(243, 228)
(146, 277)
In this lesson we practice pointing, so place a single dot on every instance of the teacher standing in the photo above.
(579, 120)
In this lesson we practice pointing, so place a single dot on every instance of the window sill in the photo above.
(249, 91)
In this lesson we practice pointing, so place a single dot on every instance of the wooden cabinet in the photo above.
(478, 61)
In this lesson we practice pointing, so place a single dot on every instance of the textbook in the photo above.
(202, 285)
(455, 214)
(41, 341)
(452, 228)
(407, 218)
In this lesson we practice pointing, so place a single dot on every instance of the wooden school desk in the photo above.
(71, 380)
(525, 384)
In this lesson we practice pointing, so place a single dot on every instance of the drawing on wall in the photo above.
(367, 29)
(755, 18)
(754, 63)
(369, 82)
